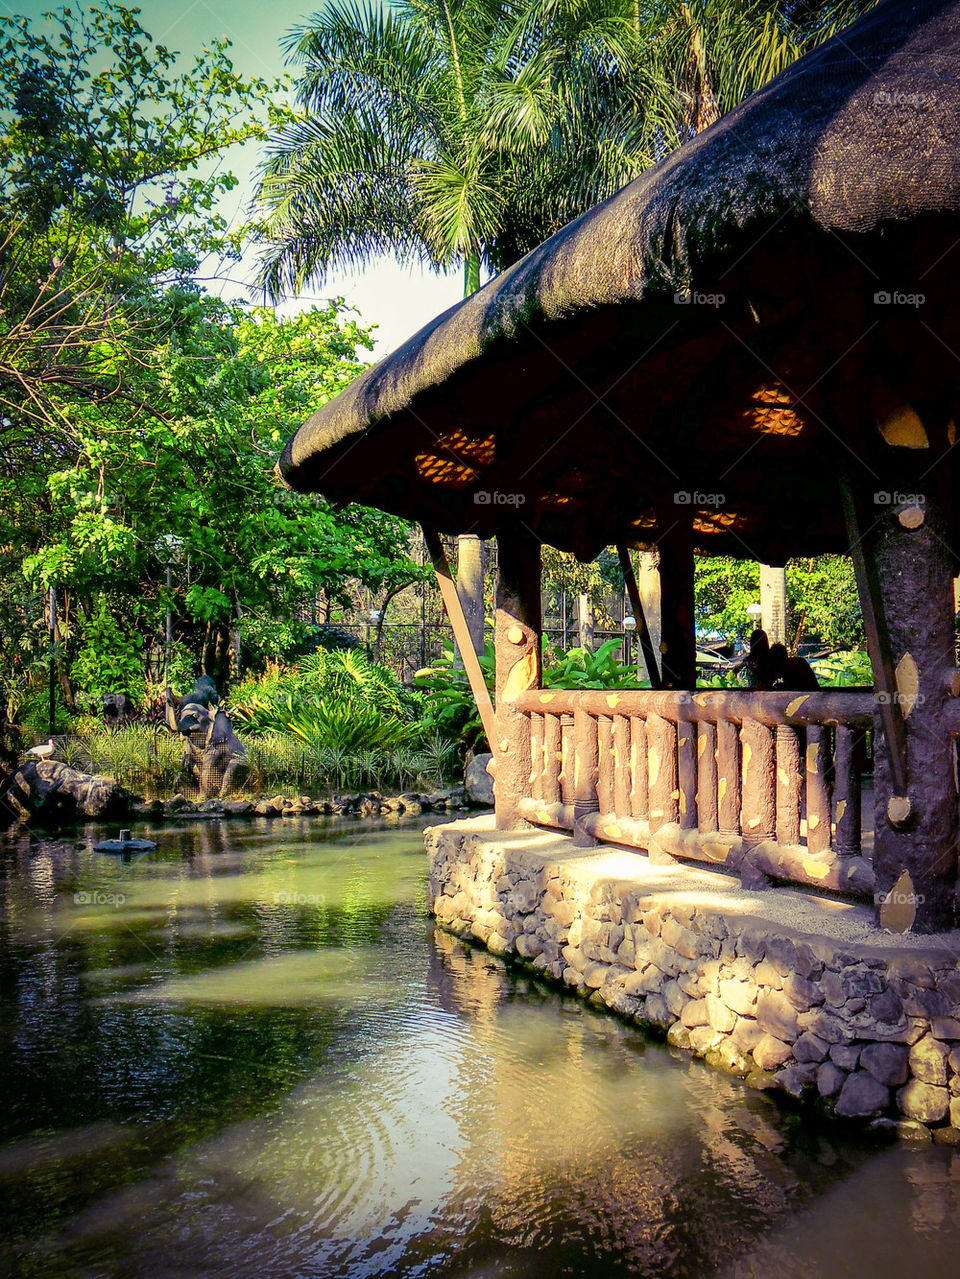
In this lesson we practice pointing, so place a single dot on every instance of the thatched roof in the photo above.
(583, 389)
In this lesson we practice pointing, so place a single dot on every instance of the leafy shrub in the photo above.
(844, 670)
(448, 709)
(109, 660)
(582, 668)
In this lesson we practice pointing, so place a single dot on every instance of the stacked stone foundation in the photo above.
(785, 990)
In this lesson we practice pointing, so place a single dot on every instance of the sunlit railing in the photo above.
(766, 784)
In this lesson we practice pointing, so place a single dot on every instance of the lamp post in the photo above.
(754, 613)
(52, 632)
(373, 619)
(629, 627)
(168, 547)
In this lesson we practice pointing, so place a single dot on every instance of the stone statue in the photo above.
(213, 754)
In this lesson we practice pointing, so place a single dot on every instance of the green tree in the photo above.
(135, 407)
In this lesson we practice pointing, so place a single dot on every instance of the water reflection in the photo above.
(248, 1053)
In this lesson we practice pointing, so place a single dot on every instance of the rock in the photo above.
(53, 793)
(719, 1015)
(771, 1052)
(478, 783)
(776, 1015)
(845, 1056)
(947, 1136)
(887, 1063)
(926, 1102)
(703, 1038)
(830, 1079)
(862, 1096)
(801, 993)
(795, 1079)
(945, 1028)
(237, 807)
(739, 996)
(886, 1006)
(955, 1111)
(928, 1061)
(678, 1036)
(729, 1058)
(747, 1033)
(695, 1014)
(810, 1047)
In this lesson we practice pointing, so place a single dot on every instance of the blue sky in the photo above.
(397, 300)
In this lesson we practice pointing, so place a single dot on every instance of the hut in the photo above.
(753, 349)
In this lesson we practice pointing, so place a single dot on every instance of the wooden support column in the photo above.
(915, 857)
(639, 805)
(817, 770)
(621, 765)
(678, 647)
(518, 629)
(461, 634)
(640, 617)
(847, 791)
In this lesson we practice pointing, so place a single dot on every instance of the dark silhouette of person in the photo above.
(771, 667)
(789, 673)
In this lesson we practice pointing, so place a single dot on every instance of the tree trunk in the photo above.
(584, 621)
(470, 576)
(773, 603)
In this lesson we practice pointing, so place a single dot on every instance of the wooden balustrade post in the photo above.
(605, 769)
(639, 803)
(661, 771)
(566, 759)
(585, 769)
(536, 756)
(551, 759)
(728, 777)
(788, 784)
(846, 791)
(759, 770)
(687, 774)
(621, 766)
(707, 816)
(517, 638)
(817, 775)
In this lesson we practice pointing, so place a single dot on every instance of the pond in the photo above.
(249, 1053)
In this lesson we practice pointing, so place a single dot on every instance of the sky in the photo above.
(397, 300)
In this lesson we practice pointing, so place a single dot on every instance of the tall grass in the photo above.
(148, 761)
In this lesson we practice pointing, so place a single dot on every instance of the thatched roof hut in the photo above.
(717, 329)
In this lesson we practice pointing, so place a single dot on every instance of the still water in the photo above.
(250, 1054)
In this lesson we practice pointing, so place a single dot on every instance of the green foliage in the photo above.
(335, 699)
(449, 709)
(581, 668)
(822, 600)
(844, 670)
(109, 660)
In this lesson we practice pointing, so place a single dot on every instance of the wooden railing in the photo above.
(765, 784)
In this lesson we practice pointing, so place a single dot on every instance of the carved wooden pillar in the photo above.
(915, 857)
(677, 635)
(518, 627)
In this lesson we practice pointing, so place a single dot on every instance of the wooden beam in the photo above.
(643, 630)
(461, 633)
(878, 637)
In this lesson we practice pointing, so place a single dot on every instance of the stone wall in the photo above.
(779, 987)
